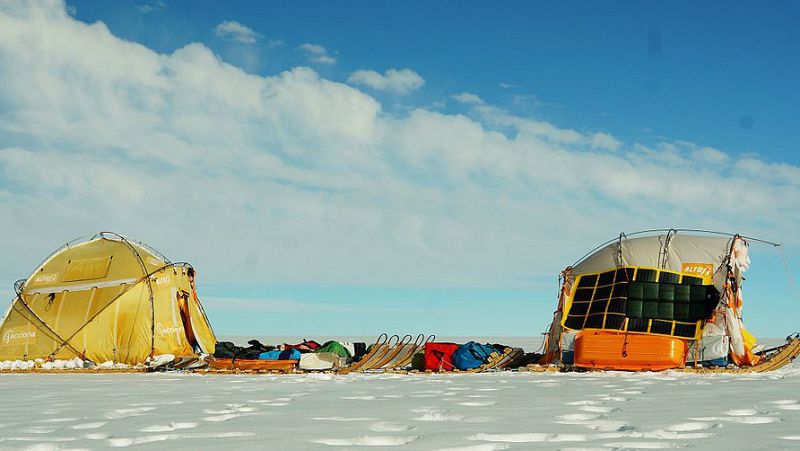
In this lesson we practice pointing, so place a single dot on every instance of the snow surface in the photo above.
(479, 412)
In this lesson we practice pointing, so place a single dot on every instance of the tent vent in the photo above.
(87, 269)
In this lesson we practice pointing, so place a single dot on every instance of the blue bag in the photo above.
(472, 355)
(289, 354)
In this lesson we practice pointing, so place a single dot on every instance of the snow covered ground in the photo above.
(421, 412)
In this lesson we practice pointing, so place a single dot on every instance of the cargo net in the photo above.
(643, 300)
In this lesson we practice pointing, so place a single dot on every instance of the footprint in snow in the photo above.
(344, 419)
(741, 419)
(481, 447)
(582, 403)
(56, 420)
(641, 445)
(595, 421)
(367, 441)
(225, 417)
(389, 427)
(477, 403)
(95, 425)
(532, 437)
(41, 429)
(571, 418)
(96, 436)
(599, 409)
(741, 412)
(435, 415)
(786, 404)
(127, 413)
(612, 398)
(690, 427)
(168, 427)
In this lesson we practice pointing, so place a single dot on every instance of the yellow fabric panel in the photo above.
(46, 306)
(67, 312)
(170, 336)
(22, 336)
(749, 339)
(124, 264)
(121, 332)
(87, 269)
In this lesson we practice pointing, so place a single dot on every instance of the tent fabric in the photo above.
(106, 299)
(673, 252)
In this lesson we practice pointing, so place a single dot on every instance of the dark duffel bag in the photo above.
(253, 351)
(360, 349)
(225, 350)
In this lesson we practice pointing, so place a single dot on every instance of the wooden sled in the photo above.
(378, 349)
(391, 354)
(254, 365)
(496, 359)
(779, 358)
(389, 347)
(179, 363)
(404, 359)
(512, 357)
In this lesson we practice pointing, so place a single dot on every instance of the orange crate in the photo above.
(630, 352)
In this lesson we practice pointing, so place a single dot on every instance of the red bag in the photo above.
(439, 356)
(305, 346)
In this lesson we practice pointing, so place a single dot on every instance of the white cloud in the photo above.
(317, 54)
(601, 140)
(314, 48)
(467, 98)
(147, 8)
(234, 31)
(295, 178)
(710, 155)
(400, 81)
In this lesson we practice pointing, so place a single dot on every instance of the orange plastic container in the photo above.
(632, 352)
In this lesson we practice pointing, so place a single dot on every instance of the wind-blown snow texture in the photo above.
(426, 412)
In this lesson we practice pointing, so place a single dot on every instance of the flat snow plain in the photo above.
(491, 411)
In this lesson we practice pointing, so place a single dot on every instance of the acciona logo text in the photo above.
(168, 330)
(10, 335)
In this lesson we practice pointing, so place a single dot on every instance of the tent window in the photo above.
(87, 269)
(641, 300)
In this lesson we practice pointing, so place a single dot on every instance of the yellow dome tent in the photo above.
(106, 298)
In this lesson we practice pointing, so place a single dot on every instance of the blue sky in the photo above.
(348, 168)
(718, 73)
